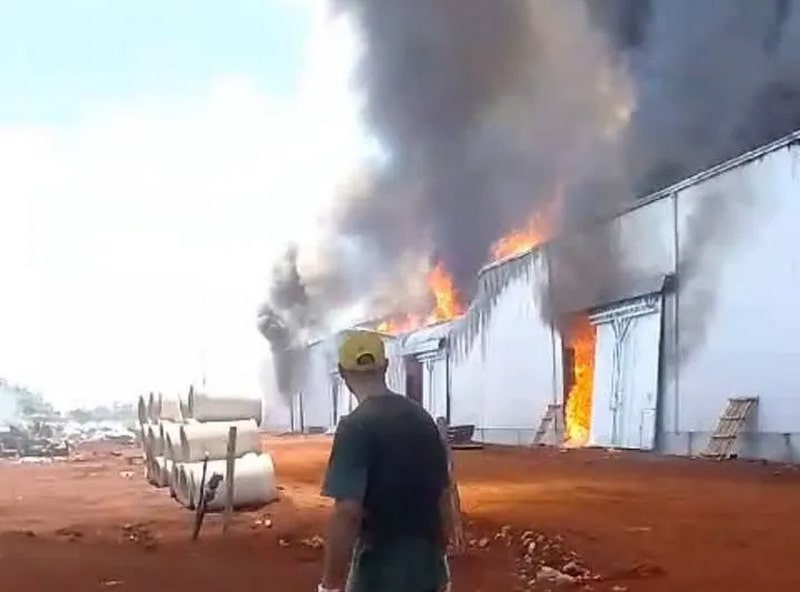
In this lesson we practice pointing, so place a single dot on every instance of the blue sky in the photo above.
(62, 58)
(155, 159)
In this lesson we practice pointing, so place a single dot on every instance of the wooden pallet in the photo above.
(551, 418)
(733, 419)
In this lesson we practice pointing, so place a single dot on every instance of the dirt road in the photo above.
(640, 523)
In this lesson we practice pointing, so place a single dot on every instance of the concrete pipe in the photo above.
(203, 407)
(167, 430)
(169, 408)
(153, 440)
(154, 471)
(142, 439)
(141, 410)
(174, 480)
(183, 489)
(169, 447)
(253, 478)
(166, 473)
(152, 407)
(199, 439)
(161, 471)
(177, 469)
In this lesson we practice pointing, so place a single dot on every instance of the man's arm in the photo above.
(345, 482)
(449, 501)
(343, 529)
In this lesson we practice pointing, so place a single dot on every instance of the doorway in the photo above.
(627, 363)
(414, 377)
(578, 356)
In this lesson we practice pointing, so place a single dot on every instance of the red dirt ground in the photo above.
(639, 522)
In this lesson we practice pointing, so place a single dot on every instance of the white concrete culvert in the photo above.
(183, 490)
(163, 471)
(176, 483)
(183, 401)
(253, 478)
(169, 446)
(203, 407)
(141, 410)
(152, 434)
(151, 472)
(166, 473)
(195, 440)
(168, 432)
(152, 408)
(169, 408)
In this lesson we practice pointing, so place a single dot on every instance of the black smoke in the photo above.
(488, 109)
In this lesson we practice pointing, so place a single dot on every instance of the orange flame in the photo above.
(447, 305)
(518, 241)
(440, 282)
(578, 409)
(536, 231)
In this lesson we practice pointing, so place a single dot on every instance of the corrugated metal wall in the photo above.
(507, 378)
(396, 373)
(316, 389)
(434, 385)
(737, 316)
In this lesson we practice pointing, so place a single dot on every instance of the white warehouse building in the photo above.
(705, 315)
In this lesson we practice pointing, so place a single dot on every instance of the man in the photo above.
(389, 477)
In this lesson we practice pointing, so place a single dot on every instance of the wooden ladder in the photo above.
(551, 417)
(720, 445)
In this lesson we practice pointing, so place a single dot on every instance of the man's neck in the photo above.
(377, 390)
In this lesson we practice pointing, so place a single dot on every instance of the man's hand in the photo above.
(450, 508)
(457, 539)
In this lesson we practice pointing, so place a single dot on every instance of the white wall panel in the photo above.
(316, 387)
(434, 386)
(646, 235)
(738, 317)
(466, 387)
(518, 362)
(396, 372)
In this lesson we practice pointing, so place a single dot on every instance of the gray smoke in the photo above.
(714, 79)
(486, 108)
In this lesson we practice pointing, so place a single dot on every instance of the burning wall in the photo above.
(483, 107)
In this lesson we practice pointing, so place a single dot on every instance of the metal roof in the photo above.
(427, 338)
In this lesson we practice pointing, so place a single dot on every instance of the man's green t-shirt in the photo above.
(387, 455)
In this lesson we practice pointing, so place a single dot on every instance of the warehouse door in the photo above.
(627, 362)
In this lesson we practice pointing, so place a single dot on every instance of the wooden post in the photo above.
(231, 461)
(200, 504)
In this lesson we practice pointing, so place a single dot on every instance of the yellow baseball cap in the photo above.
(362, 351)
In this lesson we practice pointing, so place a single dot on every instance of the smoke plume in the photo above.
(489, 111)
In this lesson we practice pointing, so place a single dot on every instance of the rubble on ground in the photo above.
(542, 561)
(41, 440)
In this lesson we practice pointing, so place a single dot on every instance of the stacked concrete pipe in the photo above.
(179, 433)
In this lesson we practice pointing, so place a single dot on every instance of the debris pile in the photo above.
(36, 440)
(541, 561)
(185, 443)
(54, 437)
